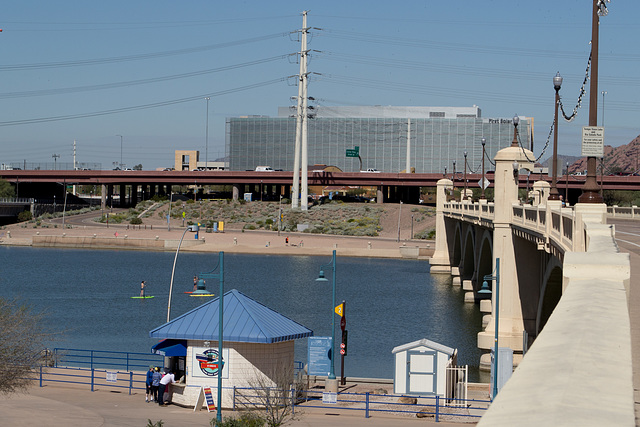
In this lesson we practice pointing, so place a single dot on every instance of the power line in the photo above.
(139, 107)
(46, 92)
(115, 59)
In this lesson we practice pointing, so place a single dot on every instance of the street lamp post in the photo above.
(194, 229)
(206, 156)
(516, 120)
(566, 190)
(321, 278)
(484, 290)
(220, 276)
(483, 141)
(120, 150)
(453, 178)
(554, 194)
(465, 176)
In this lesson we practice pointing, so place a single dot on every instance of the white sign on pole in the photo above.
(593, 141)
(486, 183)
(112, 377)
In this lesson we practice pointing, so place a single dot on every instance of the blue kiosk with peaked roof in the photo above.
(256, 341)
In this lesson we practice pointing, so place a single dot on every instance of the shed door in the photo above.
(421, 371)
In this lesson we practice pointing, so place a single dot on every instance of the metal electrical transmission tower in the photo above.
(300, 151)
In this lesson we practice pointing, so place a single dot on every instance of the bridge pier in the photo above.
(440, 261)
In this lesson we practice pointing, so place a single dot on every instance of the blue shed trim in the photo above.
(245, 320)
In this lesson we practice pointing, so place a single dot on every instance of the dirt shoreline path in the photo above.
(231, 240)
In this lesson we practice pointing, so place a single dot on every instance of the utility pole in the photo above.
(301, 118)
(55, 159)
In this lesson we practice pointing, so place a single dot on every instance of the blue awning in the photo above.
(170, 348)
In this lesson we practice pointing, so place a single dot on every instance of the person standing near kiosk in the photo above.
(168, 378)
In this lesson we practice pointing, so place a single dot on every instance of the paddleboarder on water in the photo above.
(142, 287)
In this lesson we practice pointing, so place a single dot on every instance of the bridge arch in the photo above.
(550, 292)
(484, 266)
(456, 254)
(468, 261)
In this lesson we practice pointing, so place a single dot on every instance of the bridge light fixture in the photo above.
(554, 194)
(465, 176)
(516, 121)
(483, 141)
(516, 170)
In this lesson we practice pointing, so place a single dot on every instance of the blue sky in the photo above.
(66, 64)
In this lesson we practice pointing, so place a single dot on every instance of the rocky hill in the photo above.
(623, 159)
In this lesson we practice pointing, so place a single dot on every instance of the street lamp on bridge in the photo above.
(554, 194)
(483, 141)
(465, 176)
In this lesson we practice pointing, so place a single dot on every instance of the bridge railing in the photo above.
(470, 211)
(16, 200)
(559, 228)
(632, 212)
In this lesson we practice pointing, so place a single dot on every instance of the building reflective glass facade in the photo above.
(437, 138)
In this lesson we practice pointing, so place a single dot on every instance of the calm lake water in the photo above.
(86, 295)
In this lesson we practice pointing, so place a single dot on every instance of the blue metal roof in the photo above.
(244, 319)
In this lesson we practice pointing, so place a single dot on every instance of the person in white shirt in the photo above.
(168, 378)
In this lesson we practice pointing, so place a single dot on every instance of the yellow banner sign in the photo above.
(340, 310)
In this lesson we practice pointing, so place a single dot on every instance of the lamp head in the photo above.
(516, 120)
(465, 154)
(193, 228)
(484, 290)
(321, 277)
(483, 141)
(557, 81)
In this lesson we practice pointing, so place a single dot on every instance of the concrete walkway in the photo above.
(60, 405)
(628, 240)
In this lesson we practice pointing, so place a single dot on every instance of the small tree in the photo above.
(21, 345)
(6, 190)
(270, 395)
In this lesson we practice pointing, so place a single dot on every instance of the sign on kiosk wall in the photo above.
(205, 364)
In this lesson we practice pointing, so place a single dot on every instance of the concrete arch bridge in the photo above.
(563, 292)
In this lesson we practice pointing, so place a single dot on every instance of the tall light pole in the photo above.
(465, 176)
(453, 178)
(220, 276)
(55, 158)
(566, 190)
(120, 150)
(483, 141)
(206, 156)
(321, 278)
(554, 194)
(516, 121)
(590, 188)
(192, 228)
(484, 290)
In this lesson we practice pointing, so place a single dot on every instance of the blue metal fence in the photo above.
(464, 409)
(93, 377)
(100, 359)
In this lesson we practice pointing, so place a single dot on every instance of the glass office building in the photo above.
(435, 136)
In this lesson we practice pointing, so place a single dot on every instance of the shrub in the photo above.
(25, 216)
(135, 221)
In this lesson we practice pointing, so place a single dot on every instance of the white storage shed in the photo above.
(421, 367)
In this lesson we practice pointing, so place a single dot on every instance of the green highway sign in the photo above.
(353, 152)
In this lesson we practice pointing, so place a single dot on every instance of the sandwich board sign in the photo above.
(205, 395)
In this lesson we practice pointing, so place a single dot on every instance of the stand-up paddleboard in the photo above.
(144, 297)
(201, 295)
(188, 292)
